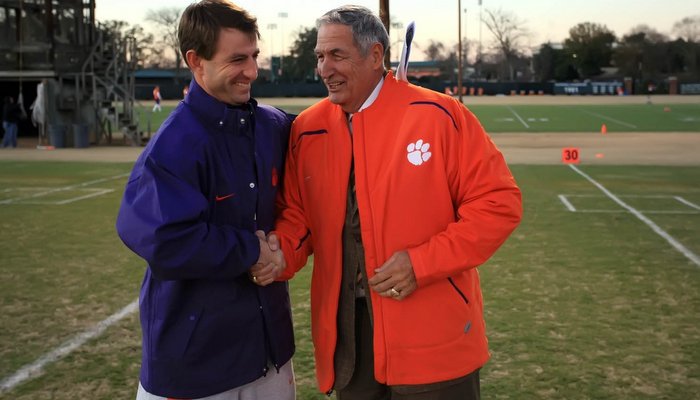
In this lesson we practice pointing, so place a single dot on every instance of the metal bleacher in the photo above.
(87, 67)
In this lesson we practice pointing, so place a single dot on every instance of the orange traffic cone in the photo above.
(604, 129)
(667, 109)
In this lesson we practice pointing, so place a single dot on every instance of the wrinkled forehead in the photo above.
(332, 37)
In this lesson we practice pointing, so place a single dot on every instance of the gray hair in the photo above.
(367, 29)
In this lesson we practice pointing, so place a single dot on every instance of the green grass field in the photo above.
(589, 118)
(578, 304)
(585, 304)
(553, 118)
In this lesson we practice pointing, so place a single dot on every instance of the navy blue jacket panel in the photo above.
(201, 188)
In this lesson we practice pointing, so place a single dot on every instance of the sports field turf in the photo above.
(557, 118)
(589, 118)
(586, 300)
(585, 304)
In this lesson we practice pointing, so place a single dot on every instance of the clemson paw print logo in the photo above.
(418, 152)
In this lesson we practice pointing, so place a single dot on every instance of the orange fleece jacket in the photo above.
(428, 180)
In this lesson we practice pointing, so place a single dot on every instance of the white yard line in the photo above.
(518, 117)
(597, 211)
(617, 121)
(49, 191)
(567, 203)
(564, 198)
(99, 192)
(687, 203)
(676, 244)
(34, 369)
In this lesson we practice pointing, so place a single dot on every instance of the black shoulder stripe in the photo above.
(318, 132)
(431, 103)
(309, 133)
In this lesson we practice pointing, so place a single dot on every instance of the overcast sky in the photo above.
(547, 20)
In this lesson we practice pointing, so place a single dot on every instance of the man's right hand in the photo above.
(271, 262)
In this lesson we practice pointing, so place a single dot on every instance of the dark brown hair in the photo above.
(201, 23)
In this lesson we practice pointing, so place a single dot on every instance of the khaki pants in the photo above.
(278, 386)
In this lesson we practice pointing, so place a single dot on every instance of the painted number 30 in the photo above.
(570, 155)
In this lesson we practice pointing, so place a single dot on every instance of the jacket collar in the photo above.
(211, 109)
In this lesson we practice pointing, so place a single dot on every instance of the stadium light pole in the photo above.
(480, 23)
(282, 16)
(271, 27)
(465, 45)
(459, 49)
(384, 16)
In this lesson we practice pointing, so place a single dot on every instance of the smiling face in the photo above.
(349, 76)
(228, 75)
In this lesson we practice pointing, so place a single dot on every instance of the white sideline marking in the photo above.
(567, 203)
(78, 185)
(34, 369)
(598, 211)
(99, 192)
(617, 121)
(91, 193)
(687, 203)
(676, 244)
(518, 117)
(564, 198)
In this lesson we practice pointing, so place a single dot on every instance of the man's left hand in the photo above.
(395, 278)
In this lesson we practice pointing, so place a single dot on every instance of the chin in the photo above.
(240, 99)
(335, 98)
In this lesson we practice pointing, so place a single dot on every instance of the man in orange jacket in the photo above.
(399, 194)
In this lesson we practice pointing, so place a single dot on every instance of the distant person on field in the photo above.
(185, 90)
(651, 88)
(157, 99)
(11, 114)
(400, 195)
(196, 207)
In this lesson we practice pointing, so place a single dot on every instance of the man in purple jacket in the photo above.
(194, 207)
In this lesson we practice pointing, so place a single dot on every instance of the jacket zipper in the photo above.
(466, 301)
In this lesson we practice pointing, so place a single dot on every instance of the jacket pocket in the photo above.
(225, 329)
(172, 337)
(459, 291)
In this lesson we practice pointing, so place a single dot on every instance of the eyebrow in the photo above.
(245, 55)
(331, 51)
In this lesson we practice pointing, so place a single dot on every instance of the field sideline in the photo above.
(586, 300)
(632, 125)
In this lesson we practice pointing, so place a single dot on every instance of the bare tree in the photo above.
(650, 34)
(166, 22)
(435, 51)
(508, 32)
(688, 29)
(146, 54)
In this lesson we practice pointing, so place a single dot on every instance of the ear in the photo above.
(194, 61)
(376, 53)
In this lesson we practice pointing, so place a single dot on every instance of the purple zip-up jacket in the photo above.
(198, 192)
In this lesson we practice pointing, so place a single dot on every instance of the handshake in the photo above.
(271, 262)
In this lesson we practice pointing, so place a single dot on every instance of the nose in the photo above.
(251, 69)
(324, 67)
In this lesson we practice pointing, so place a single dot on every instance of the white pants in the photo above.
(273, 386)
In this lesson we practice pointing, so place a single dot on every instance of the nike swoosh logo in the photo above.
(221, 198)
